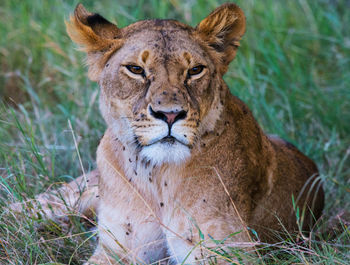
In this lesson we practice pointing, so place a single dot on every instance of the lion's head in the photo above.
(161, 81)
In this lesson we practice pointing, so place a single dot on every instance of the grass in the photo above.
(292, 70)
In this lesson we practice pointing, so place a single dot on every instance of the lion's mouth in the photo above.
(168, 140)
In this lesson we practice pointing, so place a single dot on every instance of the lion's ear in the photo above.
(96, 36)
(222, 31)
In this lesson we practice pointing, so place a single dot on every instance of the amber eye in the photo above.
(138, 70)
(196, 70)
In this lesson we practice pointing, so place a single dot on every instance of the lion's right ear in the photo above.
(96, 36)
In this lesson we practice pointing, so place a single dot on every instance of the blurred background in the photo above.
(292, 69)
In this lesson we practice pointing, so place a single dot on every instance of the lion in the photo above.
(183, 165)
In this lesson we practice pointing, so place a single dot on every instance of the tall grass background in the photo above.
(292, 69)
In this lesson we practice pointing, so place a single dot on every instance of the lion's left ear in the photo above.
(221, 31)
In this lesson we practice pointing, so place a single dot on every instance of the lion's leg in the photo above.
(104, 255)
(203, 240)
(131, 237)
(78, 196)
(204, 251)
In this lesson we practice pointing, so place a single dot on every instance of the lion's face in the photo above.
(158, 87)
(160, 80)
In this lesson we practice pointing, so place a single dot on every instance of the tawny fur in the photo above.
(218, 175)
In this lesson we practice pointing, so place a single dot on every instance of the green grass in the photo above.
(292, 70)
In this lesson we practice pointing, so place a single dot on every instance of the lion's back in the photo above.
(296, 185)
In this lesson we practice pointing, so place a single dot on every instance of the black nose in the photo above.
(169, 117)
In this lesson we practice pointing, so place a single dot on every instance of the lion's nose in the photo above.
(169, 117)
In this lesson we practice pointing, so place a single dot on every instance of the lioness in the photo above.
(183, 162)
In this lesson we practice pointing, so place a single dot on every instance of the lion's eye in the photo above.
(196, 70)
(138, 70)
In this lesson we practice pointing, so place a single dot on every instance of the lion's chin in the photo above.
(161, 152)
